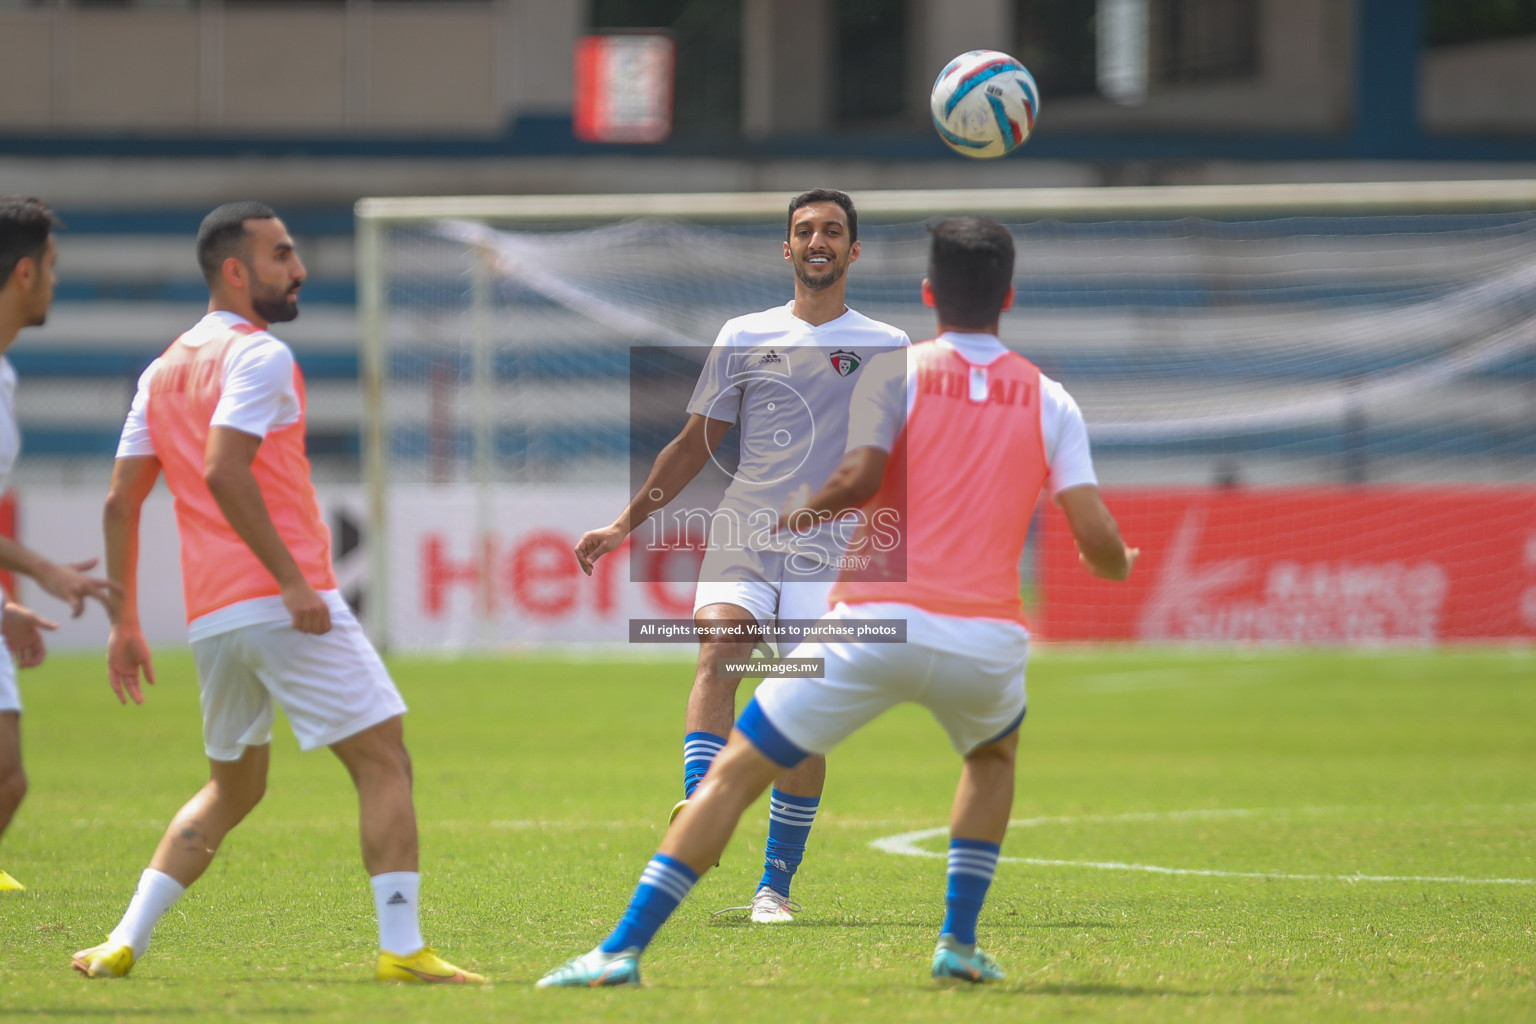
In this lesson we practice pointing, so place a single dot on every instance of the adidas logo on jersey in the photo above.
(771, 357)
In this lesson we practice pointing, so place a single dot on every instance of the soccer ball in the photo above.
(984, 104)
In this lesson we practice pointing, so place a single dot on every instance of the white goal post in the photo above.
(1270, 309)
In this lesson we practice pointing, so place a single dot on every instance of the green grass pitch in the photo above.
(1328, 832)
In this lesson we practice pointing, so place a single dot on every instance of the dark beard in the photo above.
(820, 283)
(275, 307)
(38, 317)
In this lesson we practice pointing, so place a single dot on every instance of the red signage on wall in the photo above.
(1304, 566)
(624, 87)
(8, 529)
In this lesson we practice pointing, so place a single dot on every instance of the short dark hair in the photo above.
(825, 195)
(222, 234)
(25, 224)
(970, 268)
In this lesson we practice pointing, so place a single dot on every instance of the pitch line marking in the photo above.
(905, 845)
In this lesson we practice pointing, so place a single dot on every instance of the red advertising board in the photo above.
(1304, 566)
(624, 87)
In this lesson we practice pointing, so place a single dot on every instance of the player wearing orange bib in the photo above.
(953, 440)
(221, 413)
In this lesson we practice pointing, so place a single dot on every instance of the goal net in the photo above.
(1310, 406)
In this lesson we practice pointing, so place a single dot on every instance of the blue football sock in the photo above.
(699, 750)
(972, 862)
(789, 824)
(663, 885)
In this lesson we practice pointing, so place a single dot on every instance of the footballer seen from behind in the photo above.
(960, 435)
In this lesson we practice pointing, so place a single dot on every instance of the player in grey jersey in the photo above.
(28, 253)
(786, 374)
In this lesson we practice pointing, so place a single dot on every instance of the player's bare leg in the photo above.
(977, 824)
(805, 779)
(726, 633)
(984, 798)
(13, 780)
(712, 701)
(729, 633)
(738, 777)
(380, 768)
(232, 791)
(692, 845)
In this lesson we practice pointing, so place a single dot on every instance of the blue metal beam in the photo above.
(1388, 37)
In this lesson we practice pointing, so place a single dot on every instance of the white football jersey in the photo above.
(788, 383)
(10, 432)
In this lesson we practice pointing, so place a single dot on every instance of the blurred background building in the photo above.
(133, 117)
(391, 96)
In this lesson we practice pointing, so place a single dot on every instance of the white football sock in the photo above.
(394, 898)
(155, 895)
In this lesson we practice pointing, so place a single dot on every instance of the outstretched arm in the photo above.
(1099, 546)
(674, 469)
(127, 653)
(66, 581)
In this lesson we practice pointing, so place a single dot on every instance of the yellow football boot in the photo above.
(9, 884)
(108, 960)
(422, 965)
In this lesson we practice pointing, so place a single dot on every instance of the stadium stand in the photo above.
(128, 285)
(1133, 315)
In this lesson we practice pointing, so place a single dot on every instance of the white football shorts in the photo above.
(968, 672)
(330, 686)
(10, 693)
(758, 581)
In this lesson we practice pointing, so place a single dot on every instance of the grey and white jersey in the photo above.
(788, 384)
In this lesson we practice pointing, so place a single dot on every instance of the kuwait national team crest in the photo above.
(844, 362)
